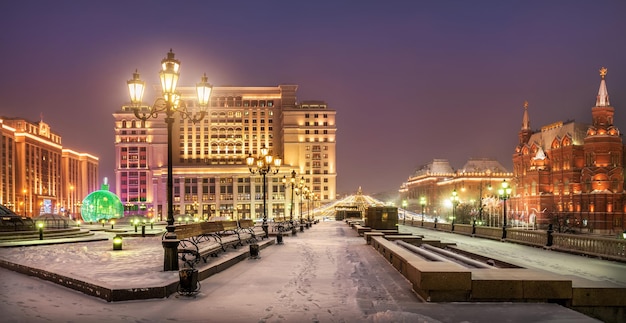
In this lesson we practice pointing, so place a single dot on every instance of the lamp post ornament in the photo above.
(169, 104)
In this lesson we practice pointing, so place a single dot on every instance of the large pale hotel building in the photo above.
(211, 178)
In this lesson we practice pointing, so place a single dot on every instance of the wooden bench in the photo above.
(247, 225)
(202, 240)
(229, 234)
(198, 240)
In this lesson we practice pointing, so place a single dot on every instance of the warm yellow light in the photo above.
(169, 73)
(136, 88)
(204, 91)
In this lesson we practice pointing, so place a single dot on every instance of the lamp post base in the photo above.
(170, 259)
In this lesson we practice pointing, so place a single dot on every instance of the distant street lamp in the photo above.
(455, 201)
(287, 182)
(404, 205)
(480, 207)
(300, 192)
(24, 192)
(291, 182)
(264, 164)
(423, 203)
(169, 104)
(505, 193)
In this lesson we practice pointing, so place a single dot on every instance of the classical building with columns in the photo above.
(437, 188)
(211, 178)
(570, 173)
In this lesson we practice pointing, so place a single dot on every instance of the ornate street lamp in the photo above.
(505, 193)
(300, 191)
(264, 164)
(169, 104)
(24, 192)
(404, 205)
(423, 203)
(291, 181)
(309, 197)
(455, 201)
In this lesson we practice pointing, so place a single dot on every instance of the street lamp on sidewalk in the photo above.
(404, 205)
(169, 104)
(505, 193)
(423, 203)
(264, 164)
(290, 182)
(455, 201)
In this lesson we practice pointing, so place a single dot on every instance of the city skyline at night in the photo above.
(410, 82)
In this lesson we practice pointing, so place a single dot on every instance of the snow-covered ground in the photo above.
(326, 274)
(536, 258)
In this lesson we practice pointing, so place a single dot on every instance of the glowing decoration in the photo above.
(102, 205)
(117, 242)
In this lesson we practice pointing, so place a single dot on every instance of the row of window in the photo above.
(315, 115)
(315, 132)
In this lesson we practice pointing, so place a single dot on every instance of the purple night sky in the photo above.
(411, 80)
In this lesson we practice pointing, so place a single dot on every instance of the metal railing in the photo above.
(602, 247)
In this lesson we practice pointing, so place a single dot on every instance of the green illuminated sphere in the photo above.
(102, 205)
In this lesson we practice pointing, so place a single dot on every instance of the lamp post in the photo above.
(169, 104)
(404, 205)
(292, 182)
(300, 192)
(70, 201)
(24, 192)
(423, 203)
(315, 199)
(264, 164)
(455, 201)
(505, 193)
(309, 198)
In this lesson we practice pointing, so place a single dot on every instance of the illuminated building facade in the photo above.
(475, 184)
(572, 173)
(211, 178)
(38, 175)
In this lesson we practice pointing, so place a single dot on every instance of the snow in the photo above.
(325, 274)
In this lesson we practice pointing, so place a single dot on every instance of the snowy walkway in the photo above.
(325, 274)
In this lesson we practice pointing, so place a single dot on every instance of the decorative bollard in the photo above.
(117, 242)
(550, 236)
(254, 251)
(143, 230)
(294, 231)
(188, 284)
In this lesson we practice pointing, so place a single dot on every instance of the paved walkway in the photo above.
(325, 274)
